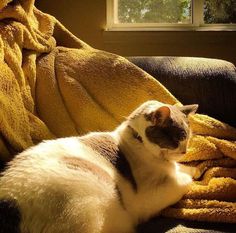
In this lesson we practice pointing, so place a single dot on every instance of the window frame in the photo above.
(196, 25)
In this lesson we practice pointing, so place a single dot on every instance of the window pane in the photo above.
(218, 11)
(154, 11)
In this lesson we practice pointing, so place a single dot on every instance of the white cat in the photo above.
(103, 182)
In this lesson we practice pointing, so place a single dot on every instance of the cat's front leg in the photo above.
(179, 187)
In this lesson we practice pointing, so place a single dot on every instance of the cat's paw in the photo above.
(194, 172)
(184, 179)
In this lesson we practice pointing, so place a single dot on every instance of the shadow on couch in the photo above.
(170, 225)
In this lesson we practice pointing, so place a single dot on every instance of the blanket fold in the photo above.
(52, 84)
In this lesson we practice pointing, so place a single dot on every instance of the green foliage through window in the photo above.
(154, 11)
(174, 11)
(218, 11)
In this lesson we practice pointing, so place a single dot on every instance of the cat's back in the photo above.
(65, 156)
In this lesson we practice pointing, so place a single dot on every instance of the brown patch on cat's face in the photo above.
(169, 130)
(81, 164)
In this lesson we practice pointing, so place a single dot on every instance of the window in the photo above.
(171, 15)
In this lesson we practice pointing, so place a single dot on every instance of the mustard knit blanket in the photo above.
(54, 85)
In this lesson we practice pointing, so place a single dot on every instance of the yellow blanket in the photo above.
(54, 85)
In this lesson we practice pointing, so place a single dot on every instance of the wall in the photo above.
(87, 20)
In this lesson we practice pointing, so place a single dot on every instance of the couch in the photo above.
(212, 84)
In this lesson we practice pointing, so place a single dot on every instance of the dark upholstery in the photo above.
(170, 225)
(211, 83)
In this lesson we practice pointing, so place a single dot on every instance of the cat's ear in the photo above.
(160, 115)
(189, 109)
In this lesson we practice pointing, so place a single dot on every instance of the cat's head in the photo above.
(162, 128)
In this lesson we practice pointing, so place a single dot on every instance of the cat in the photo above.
(102, 182)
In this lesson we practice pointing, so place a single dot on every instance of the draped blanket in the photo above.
(54, 85)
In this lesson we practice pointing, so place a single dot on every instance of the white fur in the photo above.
(55, 199)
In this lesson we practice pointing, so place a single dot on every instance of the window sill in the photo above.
(139, 28)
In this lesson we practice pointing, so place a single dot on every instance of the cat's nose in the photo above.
(183, 151)
(183, 147)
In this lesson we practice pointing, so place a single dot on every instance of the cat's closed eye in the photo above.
(176, 132)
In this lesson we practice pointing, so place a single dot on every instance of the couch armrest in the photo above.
(209, 82)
